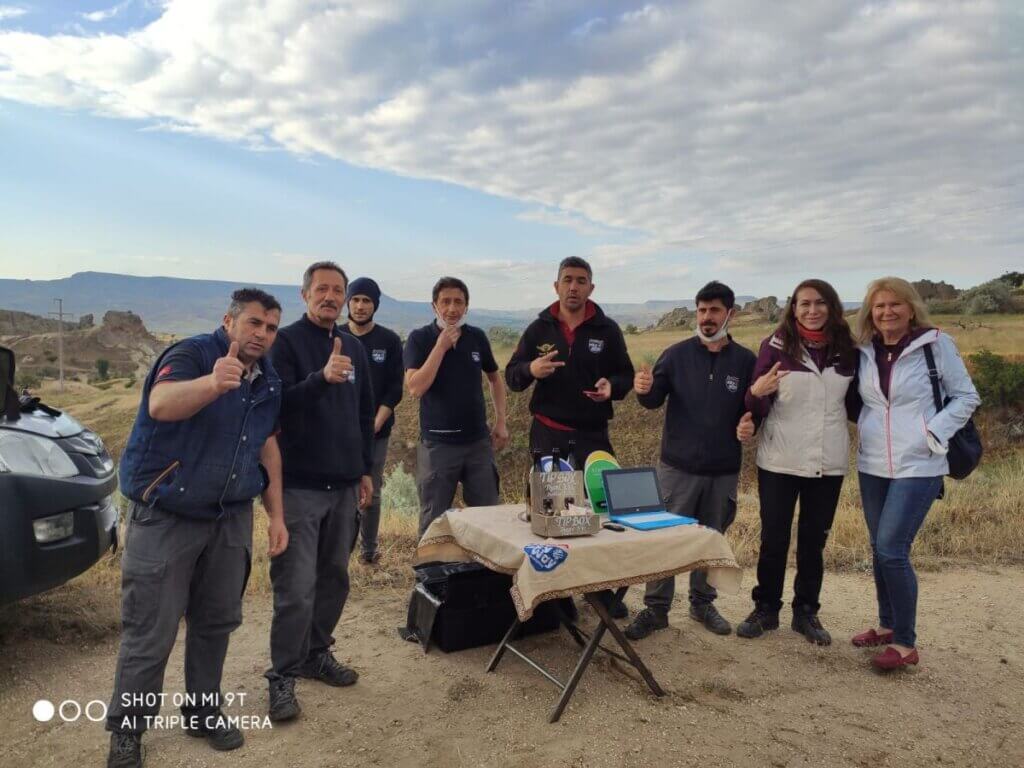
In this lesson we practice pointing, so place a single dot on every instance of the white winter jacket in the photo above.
(805, 433)
(894, 430)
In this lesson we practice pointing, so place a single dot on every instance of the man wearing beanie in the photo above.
(384, 350)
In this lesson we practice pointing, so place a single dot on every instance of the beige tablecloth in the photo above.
(497, 538)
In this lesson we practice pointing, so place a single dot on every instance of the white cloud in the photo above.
(844, 133)
(11, 12)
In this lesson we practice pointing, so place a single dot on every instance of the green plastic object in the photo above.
(598, 455)
(593, 480)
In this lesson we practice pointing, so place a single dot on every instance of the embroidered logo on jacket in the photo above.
(544, 557)
(379, 355)
(595, 345)
(732, 383)
(475, 355)
(543, 349)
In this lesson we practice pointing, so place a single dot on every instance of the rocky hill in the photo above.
(121, 339)
(15, 323)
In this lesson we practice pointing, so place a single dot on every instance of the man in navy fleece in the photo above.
(327, 451)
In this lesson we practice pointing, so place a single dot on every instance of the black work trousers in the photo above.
(818, 498)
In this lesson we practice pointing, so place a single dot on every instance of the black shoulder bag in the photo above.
(965, 447)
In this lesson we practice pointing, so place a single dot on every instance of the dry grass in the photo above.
(981, 520)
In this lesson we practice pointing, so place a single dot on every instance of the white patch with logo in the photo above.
(379, 355)
(732, 383)
(595, 345)
(475, 355)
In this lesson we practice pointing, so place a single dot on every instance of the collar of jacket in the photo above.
(704, 347)
(334, 330)
(926, 336)
(598, 318)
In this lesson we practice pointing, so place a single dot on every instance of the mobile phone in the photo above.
(613, 527)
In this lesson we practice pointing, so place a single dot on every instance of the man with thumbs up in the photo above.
(704, 379)
(202, 447)
(327, 449)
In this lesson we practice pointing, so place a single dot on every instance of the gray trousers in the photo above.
(369, 518)
(711, 499)
(440, 467)
(176, 566)
(310, 578)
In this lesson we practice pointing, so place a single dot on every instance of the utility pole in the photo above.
(60, 314)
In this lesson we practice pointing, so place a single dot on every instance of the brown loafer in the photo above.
(871, 639)
(891, 659)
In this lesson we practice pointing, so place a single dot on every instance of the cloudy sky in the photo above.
(669, 143)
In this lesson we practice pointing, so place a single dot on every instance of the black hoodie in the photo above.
(598, 351)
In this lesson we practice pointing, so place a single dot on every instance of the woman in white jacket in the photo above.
(903, 443)
(802, 380)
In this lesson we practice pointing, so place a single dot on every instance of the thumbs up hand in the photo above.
(228, 371)
(338, 366)
(643, 380)
(745, 429)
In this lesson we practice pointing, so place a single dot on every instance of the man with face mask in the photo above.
(384, 351)
(443, 365)
(326, 440)
(704, 379)
(202, 447)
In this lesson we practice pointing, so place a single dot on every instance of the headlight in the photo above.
(30, 455)
(54, 528)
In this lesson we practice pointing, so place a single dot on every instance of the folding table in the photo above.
(544, 569)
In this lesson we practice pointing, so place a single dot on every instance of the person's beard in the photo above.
(361, 323)
(718, 335)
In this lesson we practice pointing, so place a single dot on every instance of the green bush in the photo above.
(103, 369)
(999, 381)
(987, 298)
(502, 336)
(25, 379)
(399, 492)
(631, 329)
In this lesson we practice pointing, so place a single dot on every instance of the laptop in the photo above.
(634, 499)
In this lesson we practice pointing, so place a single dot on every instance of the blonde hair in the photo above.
(865, 326)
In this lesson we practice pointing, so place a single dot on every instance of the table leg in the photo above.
(621, 639)
(500, 650)
(577, 673)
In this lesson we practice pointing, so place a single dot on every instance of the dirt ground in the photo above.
(777, 701)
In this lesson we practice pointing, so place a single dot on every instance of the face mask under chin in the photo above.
(718, 335)
(442, 324)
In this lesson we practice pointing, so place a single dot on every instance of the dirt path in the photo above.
(777, 701)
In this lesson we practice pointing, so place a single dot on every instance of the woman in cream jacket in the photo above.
(802, 382)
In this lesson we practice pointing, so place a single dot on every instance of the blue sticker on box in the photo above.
(544, 557)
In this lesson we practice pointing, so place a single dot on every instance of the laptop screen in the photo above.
(632, 490)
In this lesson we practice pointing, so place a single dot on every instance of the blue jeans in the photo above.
(894, 511)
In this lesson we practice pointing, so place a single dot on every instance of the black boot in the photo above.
(646, 622)
(760, 620)
(708, 615)
(125, 750)
(806, 623)
(217, 731)
(283, 704)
